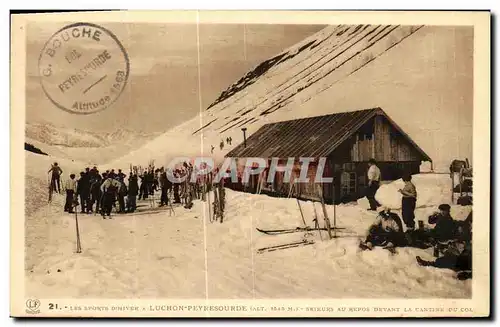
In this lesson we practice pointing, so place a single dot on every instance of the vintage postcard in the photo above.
(250, 164)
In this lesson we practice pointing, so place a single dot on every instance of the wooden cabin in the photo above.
(347, 140)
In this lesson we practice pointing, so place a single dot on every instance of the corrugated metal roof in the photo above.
(308, 137)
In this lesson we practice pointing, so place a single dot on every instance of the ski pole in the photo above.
(78, 244)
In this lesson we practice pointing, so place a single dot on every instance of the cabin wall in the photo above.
(379, 140)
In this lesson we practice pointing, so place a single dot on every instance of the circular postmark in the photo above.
(83, 68)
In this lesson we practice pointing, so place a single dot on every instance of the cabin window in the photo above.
(365, 136)
(350, 166)
(348, 181)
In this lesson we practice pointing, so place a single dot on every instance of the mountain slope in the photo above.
(76, 138)
(85, 146)
(403, 69)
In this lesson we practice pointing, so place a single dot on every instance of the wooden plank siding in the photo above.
(385, 144)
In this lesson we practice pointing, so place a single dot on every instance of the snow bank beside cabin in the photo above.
(432, 190)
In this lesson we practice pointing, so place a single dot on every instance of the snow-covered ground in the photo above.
(152, 254)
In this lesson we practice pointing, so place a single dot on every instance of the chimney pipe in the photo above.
(244, 129)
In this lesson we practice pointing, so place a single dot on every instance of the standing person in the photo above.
(122, 192)
(151, 181)
(56, 176)
(141, 188)
(121, 176)
(166, 186)
(221, 145)
(156, 182)
(109, 191)
(212, 149)
(83, 190)
(408, 202)
(70, 193)
(177, 198)
(95, 190)
(373, 184)
(133, 190)
(162, 181)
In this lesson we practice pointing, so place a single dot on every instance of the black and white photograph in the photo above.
(195, 164)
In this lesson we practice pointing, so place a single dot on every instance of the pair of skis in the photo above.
(294, 230)
(285, 246)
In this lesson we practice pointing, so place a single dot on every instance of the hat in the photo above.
(444, 207)
(384, 210)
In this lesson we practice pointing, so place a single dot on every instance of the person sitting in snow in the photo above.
(445, 227)
(457, 254)
(387, 231)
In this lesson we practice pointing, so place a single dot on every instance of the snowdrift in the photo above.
(432, 190)
(148, 255)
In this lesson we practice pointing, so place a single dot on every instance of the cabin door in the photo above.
(348, 181)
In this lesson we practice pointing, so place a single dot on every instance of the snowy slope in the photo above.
(341, 68)
(80, 145)
(71, 137)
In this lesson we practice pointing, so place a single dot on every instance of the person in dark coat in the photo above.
(55, 179)
(150, 180)
(122, 192)
(121, 176)
(458, 253)
(408, 202)
(83, 190)
(133, 190)
(177, 198)
(165, 185)
(445, 227)
(95, 190)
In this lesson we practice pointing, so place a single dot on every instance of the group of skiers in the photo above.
(229, 140)
(449, 237)
(102, 190)
(99, 193)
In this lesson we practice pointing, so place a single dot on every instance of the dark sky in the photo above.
(162, 90)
